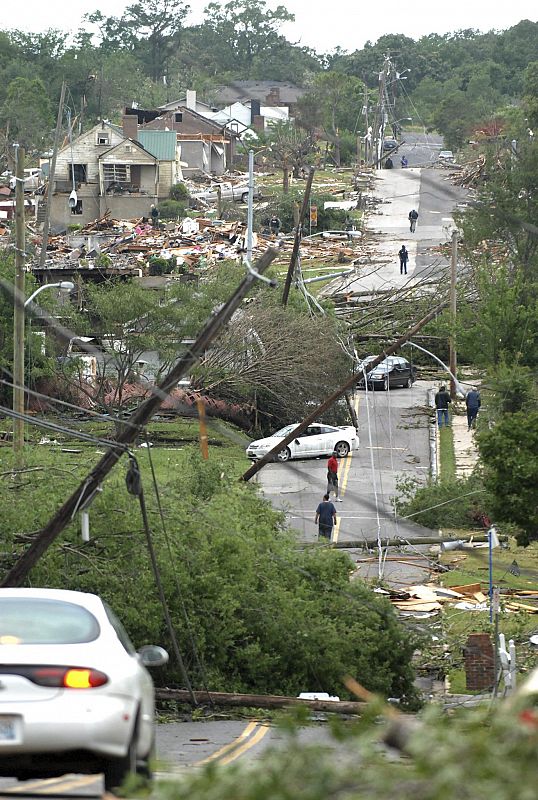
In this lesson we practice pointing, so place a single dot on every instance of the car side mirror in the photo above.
(151, 655)
(297, 441)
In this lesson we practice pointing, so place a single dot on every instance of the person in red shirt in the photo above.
(332, 476)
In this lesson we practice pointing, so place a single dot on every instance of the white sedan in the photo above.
(317, 440)
(74, 694)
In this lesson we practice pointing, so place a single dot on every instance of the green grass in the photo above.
(447, 455)
(473, 568)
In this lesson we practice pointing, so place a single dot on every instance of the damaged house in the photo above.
(109, 170)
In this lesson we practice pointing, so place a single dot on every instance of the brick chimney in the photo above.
(479, 666)
(130, 126)
(273, 98)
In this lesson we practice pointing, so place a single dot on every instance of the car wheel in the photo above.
(284, 455)
(341, 449)
(244, 197)
(117, 770)
(409, 383)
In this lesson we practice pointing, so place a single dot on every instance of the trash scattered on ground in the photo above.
(429, 599)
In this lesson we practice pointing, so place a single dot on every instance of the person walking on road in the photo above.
(472, 403)
(442, 401)
(332, 476)
(404, 258)
(325, 518)
(413, 216)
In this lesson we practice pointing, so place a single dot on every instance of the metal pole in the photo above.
(452, 340)
(250, 207)
(18, 311)
(52, 173)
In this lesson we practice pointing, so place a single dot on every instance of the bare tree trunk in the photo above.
(285, 179)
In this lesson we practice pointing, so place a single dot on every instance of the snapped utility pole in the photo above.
(298, 235)
(330, 401)
(130, 430)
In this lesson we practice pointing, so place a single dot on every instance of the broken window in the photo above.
(103, 138)
(117, 173)
(80, 173)
(77, 209)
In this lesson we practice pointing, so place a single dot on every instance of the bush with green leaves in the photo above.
(263, 615)
(172, 209)
(456, 503)
(283, 205)
(179, 192)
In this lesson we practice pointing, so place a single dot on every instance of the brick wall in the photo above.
(479, 662)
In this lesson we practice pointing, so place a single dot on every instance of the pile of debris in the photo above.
(472, 174)
(428, 599)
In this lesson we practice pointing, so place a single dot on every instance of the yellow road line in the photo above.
(75, 783)
(52, 785)
(231, 745)
(258, 736)
(33, 785)
(343, 485)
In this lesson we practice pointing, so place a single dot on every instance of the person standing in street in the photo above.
(442, 401)
(472, 403)
(413, 216)
(332, 476)
(404, 258)
(325, 518)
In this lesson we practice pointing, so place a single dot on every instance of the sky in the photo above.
(324, 26)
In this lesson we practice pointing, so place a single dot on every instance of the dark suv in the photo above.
(393, 371)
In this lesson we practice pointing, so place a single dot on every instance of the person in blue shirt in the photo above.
(326, 518)
(472, 402)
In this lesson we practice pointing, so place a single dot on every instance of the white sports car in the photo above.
(317, 440)
(74, 694)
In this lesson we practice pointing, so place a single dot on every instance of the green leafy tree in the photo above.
(291, 146)
(247, 30)
(530, 96)
(27, 109)
(151, 30)
(332, 103)
(509, 452)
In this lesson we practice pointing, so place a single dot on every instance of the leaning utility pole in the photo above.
(330, 401)
(298, 234)
(132, 427)
(52, 173)
(18, 309)
(452, 339)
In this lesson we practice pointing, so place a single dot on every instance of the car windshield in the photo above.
(34, 620)
(284, 431)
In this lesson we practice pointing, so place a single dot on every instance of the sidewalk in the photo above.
(465, 448)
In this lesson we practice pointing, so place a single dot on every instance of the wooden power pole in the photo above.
(453, 310)
(297, 241)
(18, 309)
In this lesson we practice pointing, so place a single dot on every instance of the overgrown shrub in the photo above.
(443, 504)
(283, 206)
(179, 192)
(172, 209)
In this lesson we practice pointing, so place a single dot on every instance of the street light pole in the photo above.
(63, 286)
(18, 310)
